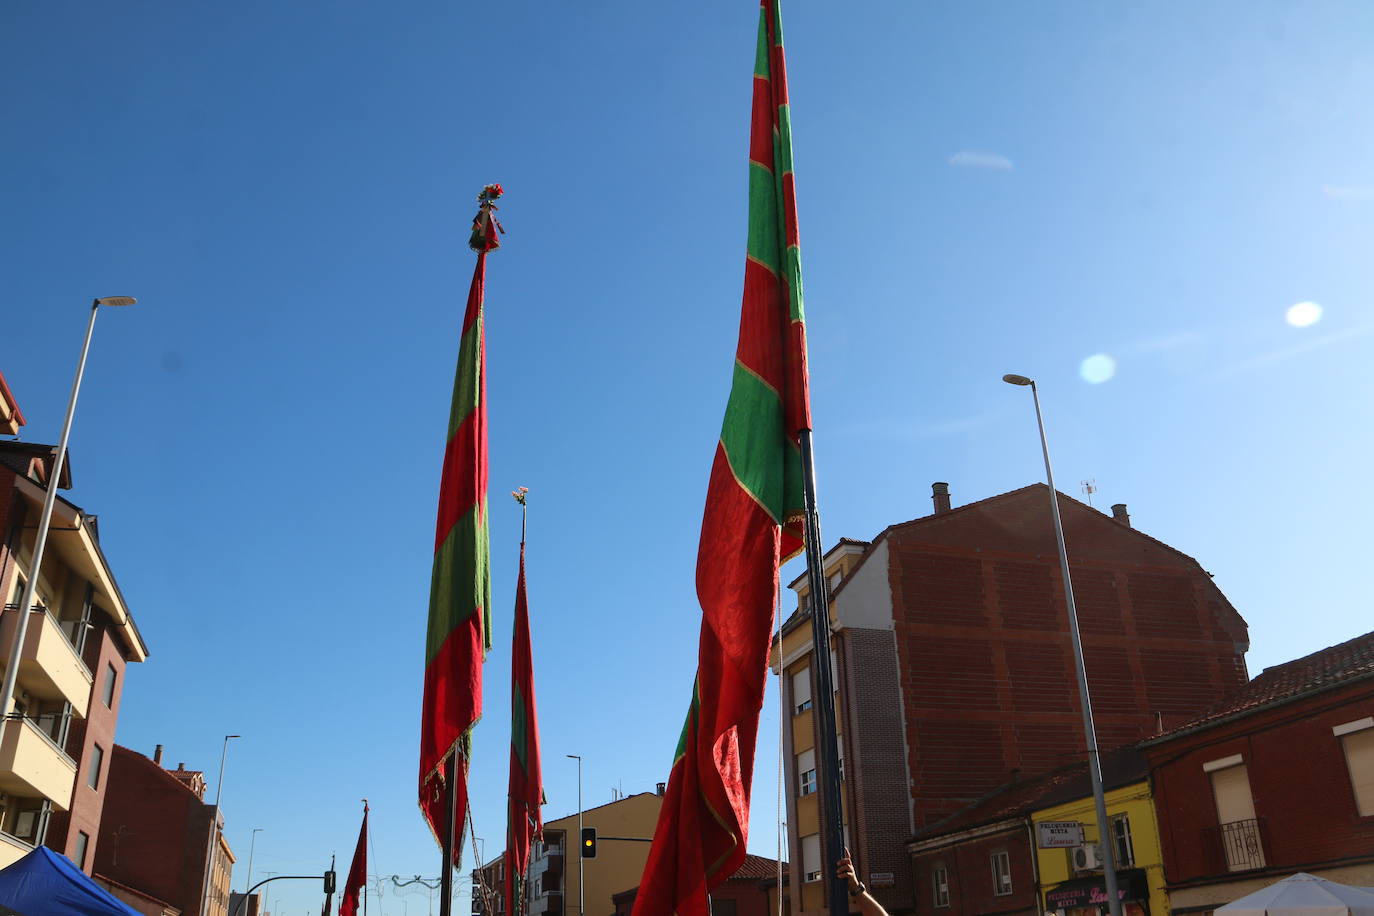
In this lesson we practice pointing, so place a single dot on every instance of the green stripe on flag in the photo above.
(764, 240)
(466, 381)
(754, 437)
(461, 582)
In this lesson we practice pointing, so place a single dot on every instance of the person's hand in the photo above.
(845, 869)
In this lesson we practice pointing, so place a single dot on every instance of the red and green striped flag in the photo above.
(753, 521)
(459, 632)
(526, 793)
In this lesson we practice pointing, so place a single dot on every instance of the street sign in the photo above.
(882, 878)
(1060, 834)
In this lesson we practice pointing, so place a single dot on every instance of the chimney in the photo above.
(939, 494)
(661, 788)
(157, 755)
(1121, 515)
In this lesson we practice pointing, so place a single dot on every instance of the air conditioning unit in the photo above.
(1087, 857)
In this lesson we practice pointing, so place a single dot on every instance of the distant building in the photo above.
(954, 672)
(553, 884)
(157, 830)
(1276, 779)
(750, 891)
(54, 760)
(999, 855)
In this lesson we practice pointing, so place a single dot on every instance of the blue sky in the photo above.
(983, 188)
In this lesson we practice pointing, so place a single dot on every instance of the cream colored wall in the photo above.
(619, 865)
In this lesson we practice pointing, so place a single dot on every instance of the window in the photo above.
(1237, 827)
(811, 857)
(839, 745)
(110, 677)
(97, 758)
(1001, 874)
(1357, 740)
(82, 841)
(834, 672)
(806, 772)
(940, 879)
(801, 690)
(1121, 841)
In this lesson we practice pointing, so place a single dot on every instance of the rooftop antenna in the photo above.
(1090, 487)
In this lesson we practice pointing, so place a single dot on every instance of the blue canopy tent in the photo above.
(44, 883)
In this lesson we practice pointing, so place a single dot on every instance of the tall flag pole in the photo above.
(759, 503)
(459, 633)
(357, 873)
(526, 793)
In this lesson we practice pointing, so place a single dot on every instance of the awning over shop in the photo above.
(1092, 890)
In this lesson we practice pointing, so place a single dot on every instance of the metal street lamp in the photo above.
(214, 825)
(581, 884)
(251, 846)
(49, 498)
(1089, 732)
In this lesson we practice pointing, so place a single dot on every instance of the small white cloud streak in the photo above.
(973, 159)
(1277, 356)
(1349, 192)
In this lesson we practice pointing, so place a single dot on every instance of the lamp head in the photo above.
(117, 300)
(1017, 380)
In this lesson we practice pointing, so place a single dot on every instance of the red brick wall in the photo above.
(98, 728)
(1298, 778)
(969, 871)
(153, 832)
(986, 667)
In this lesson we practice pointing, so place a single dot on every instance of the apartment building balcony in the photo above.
(12, 849)
(1237, 846)
(31, 764)
(50, 667)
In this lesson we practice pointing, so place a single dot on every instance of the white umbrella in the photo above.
(1303, 895)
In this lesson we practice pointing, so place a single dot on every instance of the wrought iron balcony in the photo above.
(1238, 845)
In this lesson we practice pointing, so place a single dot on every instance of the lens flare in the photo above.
(1303, 315)
(1097, 369)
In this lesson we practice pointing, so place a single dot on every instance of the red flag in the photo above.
(526, 793)
(459, 632)
(357, 874)
(754, 511)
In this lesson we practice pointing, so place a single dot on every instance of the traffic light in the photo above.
(589, 842)
(329, 881)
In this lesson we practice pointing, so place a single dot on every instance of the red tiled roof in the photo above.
(756, 867)
(1120, 767)
(753, 868)
(1334, 666)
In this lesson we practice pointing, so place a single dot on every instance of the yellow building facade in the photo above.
(1066, 879)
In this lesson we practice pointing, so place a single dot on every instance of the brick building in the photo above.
(54, 755)
(959, 618)
(750, 891)
(156, 831)
(1276, 779)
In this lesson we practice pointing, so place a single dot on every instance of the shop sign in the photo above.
(1060, 834)
(881, 878)
(1076, 897)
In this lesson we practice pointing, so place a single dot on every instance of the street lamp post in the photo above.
(248, 882)
(214, 825)
(1089, 732)
(581, 885)
(49, 498)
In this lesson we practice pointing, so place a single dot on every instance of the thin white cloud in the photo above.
(1349, 192)
(1278, 356)
(973, 159)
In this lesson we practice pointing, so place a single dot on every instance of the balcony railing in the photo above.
(1238, 845)
(31, 764)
